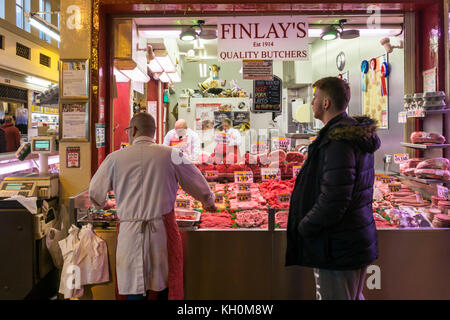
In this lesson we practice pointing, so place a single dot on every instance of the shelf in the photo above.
(427, 181)
(424, 146)
(432, 112)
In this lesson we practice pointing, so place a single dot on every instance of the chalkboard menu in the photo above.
(267, 95)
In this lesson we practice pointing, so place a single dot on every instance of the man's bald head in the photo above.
(142, 124)
(181, 124)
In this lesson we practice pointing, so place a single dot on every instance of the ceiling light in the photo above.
(120, 77)
(329, 33)
(43, 26)
(198, 44)
(188, 34)
(38, 81)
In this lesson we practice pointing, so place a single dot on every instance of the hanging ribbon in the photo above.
(364, 70)
(384, 74)
(373, 66)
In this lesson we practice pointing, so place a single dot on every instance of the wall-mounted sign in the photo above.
(73, 157)
(263, 38)
(74, 79)
(257, 69)
(267, 95)
(75, 121)
(100, 135)
(429, 80)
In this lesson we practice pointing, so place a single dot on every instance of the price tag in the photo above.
(295, 171)
(270, 174)
(284, 197)
(211, 174)
(243, 176)
(402, 117)
(281, 143)
(401, 157)
(419, 197)
(212, 186)
(442, 192)
(243, 186)
(243, 196)
(386, 179)
(219, 197)
(259, 147)
(183, 203)
(395, 187)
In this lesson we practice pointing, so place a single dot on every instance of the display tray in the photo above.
(431, 112)
(424, 146)
(427, 181)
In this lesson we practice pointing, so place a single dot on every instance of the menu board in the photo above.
(267, 95)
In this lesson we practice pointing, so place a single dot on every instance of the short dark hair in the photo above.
(337, 89)
(227, 120)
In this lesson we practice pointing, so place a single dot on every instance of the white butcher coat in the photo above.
(145, 177)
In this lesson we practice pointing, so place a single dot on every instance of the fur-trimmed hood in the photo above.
(360, 130)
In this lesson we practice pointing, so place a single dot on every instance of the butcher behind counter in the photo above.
(145, 178)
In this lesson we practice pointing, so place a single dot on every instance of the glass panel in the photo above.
(19, 16)
(26, 8)
(2, 9)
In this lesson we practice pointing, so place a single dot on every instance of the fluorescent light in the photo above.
(378, 32)
(204, 70)
(154, 66)
(166, 63)
(198, 44)
(188, 34)
(157, 34)
(164, 77)
(174, 77)
(120, 77)
(44, 26)
(38, 81)
(136, 74)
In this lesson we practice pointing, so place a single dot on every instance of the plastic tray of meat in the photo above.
(251, 219)
(187, 218)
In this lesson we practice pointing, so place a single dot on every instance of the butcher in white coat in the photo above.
(145, 178)
(184, 138)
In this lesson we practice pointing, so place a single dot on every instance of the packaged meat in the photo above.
(281, 219)
(412, 163)
(435, 200)
(432, 174)
(422, 137)
(410, 172)
(435, 163)
(294, 157)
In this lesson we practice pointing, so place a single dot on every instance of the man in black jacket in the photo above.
(331, 226)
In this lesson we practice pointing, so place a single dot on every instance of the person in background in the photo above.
(12, 135)
(184, 139)
(2, 141)
(149, 256)
(330, 225)
(229, 147)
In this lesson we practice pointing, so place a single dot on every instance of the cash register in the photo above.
(28, 208)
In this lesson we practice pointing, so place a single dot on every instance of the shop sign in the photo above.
(243, 186)
(295, 171)
(37, 109)
(285, 197)
(442, 192)
(281, 143)
(73, 157)
(181, 203)
(270, 174)
(243, 177)
(259, 147)
(283, 38)
(395, 187)
(257, 69)
(219, 197)
(402, 117)
(243, 196)
(49, 110)
(400, 157)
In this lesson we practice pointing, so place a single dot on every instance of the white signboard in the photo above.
(263, 37)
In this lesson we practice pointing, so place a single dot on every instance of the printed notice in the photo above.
(74, 76)
(72, 157)
(257, 69)
(74, 121)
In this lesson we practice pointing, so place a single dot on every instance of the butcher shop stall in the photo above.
(194, 68)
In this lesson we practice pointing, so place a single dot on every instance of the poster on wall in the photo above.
(73, 157)
(241, 121)
(219, 116)
(375, 103)
(100, 132)
(74, 79)
(429, 80)
(75, 121)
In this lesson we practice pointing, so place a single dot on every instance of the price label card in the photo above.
(243, 177)
(243, 196)
(386, 179)
(401, 157)
(259, 147)
(281, 143)
(284, 197)
(243, 186)
(270, 174)
(442, 192)
(211, 174)
(395, 187)
(212, 186)
(295, 171)
(219, 197)
(402, 117)
(183, 203)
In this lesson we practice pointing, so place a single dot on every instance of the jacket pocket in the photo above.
(316, 250)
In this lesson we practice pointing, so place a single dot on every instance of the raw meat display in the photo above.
(281, 219)
(277, 155)
(220, 220)
(250, 159)
(412, 163)
(290, 166)
(271, 189)
(435, 163)
(263, 159)
(410, 172)
(422, 137)
(294, 157)
(251, 218)
(432, 174)
(252, 204)
(205, 158)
